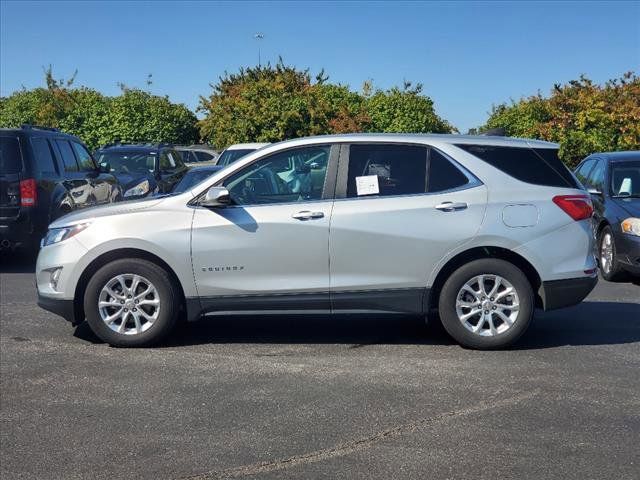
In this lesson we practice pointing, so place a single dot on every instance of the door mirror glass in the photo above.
(216, 197)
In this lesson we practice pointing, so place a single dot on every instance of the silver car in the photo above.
(483, 230)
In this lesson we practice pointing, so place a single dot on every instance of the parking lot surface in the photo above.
(320, 397)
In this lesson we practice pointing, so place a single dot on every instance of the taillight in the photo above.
(578, 207)
(28, 193)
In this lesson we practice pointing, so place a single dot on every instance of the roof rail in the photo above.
(495, 132)
(28, 126)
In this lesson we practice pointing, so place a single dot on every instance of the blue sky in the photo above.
(468, 55)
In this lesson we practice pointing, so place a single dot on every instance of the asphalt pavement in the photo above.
(353, 397)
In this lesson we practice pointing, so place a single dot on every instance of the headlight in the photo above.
(140, 189)
(631, 226)
(55, 235)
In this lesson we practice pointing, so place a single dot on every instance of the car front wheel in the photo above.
(131, 303)
(486, 304)
(609, 266)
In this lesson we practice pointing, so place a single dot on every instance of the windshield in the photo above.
(10, 161)
(625, 179)
(192, 178)
(129, 162)
(230, 156)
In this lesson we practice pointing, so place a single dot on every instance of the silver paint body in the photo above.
(361, 243)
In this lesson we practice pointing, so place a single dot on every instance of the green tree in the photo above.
(135, 115)
(581, 116)
(403, 110)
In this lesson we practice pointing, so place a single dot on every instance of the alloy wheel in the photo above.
(487, 305)
(606, 253)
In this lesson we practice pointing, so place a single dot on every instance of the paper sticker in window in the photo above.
(367, 185)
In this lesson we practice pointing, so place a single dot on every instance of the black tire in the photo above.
(614, 271)
(169, 302)
(449, 293)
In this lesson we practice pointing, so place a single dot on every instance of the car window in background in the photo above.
(443, 175)
(596, 177)
(191, 179)
(203, 156)
(187, 156)
(177, 159)
(625, 179)
(44, 156)
(230, 156)
(583, 172)
(167, 162)
(84, 158)
(400, 169)
(68, 158)
(129, 162)
(10, 158)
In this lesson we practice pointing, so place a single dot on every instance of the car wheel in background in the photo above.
(486, 304)
(609, 266)
(131, 303)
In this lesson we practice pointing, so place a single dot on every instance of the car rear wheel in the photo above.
(486, 304)
(609, 266)
(131, 303)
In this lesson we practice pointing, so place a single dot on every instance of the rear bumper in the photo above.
(565, 293)
(21, 230)
(61, 307)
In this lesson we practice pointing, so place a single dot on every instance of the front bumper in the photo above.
(62, 307)
(628, 252)
(565, 293)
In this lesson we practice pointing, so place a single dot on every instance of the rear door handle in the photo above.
(451, 206)
(307, 215)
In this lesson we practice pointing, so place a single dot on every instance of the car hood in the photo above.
(630, 205)
(106, 211)
(130, 180)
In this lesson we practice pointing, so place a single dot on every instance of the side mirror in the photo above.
(216, 197)
(594, 191)
(105, 167)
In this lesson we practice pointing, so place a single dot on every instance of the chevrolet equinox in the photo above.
(481, 229)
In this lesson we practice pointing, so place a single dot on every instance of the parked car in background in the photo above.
(195, 155)
(481, 229)
(143, 169)
(44, 174)
(613, 180)
(235, 152)
(194, 176)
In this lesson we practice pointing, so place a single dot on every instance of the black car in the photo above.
(45, 174)
(613, 180)
(143, 169)
(195, 176)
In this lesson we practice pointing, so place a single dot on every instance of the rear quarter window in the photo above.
(10, 156)
(539, 166)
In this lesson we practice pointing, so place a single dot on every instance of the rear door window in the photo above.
(44, 156)
(84, 158)
(386, 170)
(537, 166)
(10, 157)
(203, 156)
(444, 175)
(68, 158)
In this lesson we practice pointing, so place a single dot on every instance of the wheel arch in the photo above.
(478, 253)
(110, 256)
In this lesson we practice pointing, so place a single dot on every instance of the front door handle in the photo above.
(451, 206)
(307, 215)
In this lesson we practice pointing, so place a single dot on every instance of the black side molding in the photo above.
(565, 293)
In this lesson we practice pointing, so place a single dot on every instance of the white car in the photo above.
(481, 229)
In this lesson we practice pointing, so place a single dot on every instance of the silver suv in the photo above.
(480, 229)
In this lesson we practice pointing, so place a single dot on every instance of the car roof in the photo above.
(134, 147)
(39, 131)
(427, 138)
(618, 156)
(247, 146)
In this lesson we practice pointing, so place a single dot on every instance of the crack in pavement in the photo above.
(352, 446)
